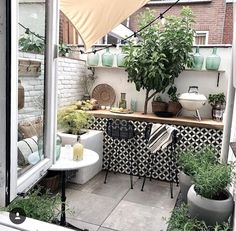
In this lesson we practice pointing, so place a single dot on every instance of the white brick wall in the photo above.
(69, 72)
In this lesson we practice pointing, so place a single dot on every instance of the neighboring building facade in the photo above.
(214, 21)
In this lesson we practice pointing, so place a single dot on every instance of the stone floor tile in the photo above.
(82, 225)
(128, 216)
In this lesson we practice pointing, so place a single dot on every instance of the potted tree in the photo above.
(161, 54)
(173, 106)
(217, 101)
(208, 198)
(158, 105)
(189, 161)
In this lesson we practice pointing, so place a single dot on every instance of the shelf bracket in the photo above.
(218, 79)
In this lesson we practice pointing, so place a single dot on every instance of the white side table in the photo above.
(66, 163)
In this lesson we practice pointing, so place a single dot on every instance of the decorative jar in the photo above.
(122, 103)
(120, 60)
(107, 58)
(58, 147)
(213, 61)
(93, 58)
(197, 60)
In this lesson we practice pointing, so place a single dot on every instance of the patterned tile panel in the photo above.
(120, 150)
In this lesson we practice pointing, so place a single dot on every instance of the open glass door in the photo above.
(31, 93)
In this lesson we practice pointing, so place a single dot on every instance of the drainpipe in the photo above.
(230, 97)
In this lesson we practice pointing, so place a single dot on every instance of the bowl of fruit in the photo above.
(87, 105)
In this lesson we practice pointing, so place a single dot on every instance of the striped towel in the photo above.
(160, 137)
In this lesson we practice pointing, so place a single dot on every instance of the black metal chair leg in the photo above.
(108, 167)
(170, 171)
(131, 170)
(152, 156)
(144, 180)
(149, 165)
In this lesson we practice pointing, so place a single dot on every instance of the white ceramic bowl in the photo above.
(192, 101)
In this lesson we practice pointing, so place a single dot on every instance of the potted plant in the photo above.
(173, 106)
(64, 50)
(217, 101)
(189, 161)
(72, 121)
(208, 198)
(161, 53)
(158, 105)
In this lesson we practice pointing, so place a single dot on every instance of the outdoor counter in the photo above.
(150, 117)
(192, 134)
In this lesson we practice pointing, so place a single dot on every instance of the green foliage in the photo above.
(191, 160)
(215, 99)
(161, 54)
(63, 49)
(211, 180)
(180, 221)
(30, 43)
(38, 205)
(172, 92)
(72, 120)
(157, 98)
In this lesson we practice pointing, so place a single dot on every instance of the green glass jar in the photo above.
(107, 58)
(122, 103)
(120, 60)
(213, 61)
(93, 58)
(197, 60)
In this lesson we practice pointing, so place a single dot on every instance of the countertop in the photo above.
(150, 117)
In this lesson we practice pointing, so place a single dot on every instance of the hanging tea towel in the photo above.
(160, 137)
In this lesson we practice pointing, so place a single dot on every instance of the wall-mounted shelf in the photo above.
(219, 72)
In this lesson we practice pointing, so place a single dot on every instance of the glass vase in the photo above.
(197, 60)
(213, 61)
(120, 60)
(93, 58)
(122, 103)
(107, 58)
(58, 147)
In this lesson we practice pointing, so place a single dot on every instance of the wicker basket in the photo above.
(158, 106)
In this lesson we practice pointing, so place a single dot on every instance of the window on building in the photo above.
(201, 38)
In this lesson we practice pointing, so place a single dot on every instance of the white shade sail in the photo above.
(94, 19)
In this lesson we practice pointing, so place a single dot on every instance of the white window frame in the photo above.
(32, 176)
(173, 1)
(202, 32)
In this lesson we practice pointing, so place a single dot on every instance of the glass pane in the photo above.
(30, 84)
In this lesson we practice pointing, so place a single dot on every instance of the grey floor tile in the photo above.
(155, 194)
(82, 225)
(116, 187)
(89, 207)
(105, 229)
(128, 216)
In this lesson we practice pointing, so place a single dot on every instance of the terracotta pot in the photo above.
(185, 182)
(174, 107)
(208, 210)
(217, 112)
(159, 106)
(51, 181)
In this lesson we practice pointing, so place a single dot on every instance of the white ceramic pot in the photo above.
(185, 182)
(208, 210)
(192, 101)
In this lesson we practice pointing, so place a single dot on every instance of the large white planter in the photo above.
(93, 140)
(208, 210)
(185, 182)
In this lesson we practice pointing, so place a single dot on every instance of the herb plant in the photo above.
(172, 92)
(72, 120)
(161, 54)
(63, 49)
(215, 99)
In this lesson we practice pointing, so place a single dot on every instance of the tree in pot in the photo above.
(189, 161)
(208, 198)
(158, 104)
(161, 54)
(217, 101)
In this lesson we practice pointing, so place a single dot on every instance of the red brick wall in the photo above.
(208, 16)
(228, 27)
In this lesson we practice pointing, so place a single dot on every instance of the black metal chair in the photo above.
(152, 157)
(120, 130)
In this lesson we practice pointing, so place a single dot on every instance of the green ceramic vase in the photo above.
(213, 60)
(197, 60)
(120, 60)
(93, 58)
(107, 58)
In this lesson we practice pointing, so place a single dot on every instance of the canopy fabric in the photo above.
(94, 19)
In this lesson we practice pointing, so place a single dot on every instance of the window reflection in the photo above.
(30, 84)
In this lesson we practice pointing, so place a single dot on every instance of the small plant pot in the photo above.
(174, 107)
(158, 106)
(217, 112)
(185, 182)
(51, 181)
(209, 210)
